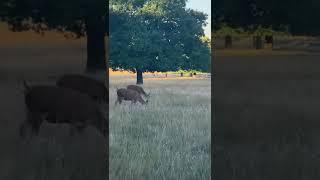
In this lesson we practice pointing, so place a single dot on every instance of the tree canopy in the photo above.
(156, 35)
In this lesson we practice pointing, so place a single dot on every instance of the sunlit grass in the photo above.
(167, 139)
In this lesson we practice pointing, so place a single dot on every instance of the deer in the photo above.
(129, 95)
(61, 105)
(139, 89)
(94, 88)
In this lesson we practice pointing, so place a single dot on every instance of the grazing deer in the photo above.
(61, 105)
(94, 88)
(129, 95)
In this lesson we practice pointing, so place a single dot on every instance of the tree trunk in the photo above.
(228, 42)
(274, 42)
(139, 77)
(181, 74)
(258, 42)
(269, 40)
(96, 47)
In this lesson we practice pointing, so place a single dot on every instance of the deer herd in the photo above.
(76, 100)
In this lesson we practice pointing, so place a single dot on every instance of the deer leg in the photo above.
(22, 129)
(142, 101)
(35, 122)
(25, 124)
(118, 101)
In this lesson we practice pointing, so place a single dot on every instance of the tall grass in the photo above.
(169, 138)
(266, 118)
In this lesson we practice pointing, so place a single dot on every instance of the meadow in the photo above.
(169, 138)
(266, 116)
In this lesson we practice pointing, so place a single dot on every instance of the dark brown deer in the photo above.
(61, 105)
(94, 88)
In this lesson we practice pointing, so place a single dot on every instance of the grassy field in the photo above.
(169, 138)
(266, 117)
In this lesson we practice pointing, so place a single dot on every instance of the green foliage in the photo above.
(263, 31)
(187, 71)
(224, 29)
(260, 30)
(156, 36)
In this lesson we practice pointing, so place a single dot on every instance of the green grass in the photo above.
(167, 139)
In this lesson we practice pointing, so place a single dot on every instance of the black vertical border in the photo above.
(212, 95)
(107, 80)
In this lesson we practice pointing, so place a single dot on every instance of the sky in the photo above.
(203, 6)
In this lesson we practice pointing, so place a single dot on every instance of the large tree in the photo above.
(83, 17)
(150, 35)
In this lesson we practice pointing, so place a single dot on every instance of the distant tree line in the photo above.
(299, 17)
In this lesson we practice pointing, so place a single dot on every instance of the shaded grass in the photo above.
(167, 139)
(266, 120)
